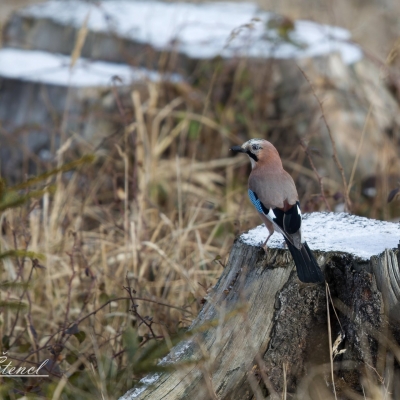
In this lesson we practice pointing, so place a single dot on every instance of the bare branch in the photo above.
(335, 156)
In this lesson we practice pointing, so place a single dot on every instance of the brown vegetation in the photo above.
(126, 247)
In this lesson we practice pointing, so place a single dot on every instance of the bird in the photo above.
(274, 195)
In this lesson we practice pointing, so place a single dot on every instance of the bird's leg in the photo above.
(264, 246)
(271, 230)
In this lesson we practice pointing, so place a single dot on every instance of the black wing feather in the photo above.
(307, 267)
(292, 219)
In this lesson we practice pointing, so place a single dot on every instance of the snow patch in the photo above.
(175, 355)
(144, 384)
(203, 30)
(54, 69)
(342, 232)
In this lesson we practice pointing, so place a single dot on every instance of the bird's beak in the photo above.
(238, 149)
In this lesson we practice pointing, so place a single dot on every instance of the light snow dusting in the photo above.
(176, 354)
(341, 232)
(54, 69)
(144, 383)
(202, 30)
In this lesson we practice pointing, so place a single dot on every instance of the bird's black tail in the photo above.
(308, 270)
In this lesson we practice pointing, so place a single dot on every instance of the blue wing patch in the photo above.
(257, 203)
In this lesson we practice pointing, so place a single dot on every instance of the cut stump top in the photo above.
(338, 232)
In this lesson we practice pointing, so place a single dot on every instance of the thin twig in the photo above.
(334, 310)
(20, 299)
(69, 291)
(353, 171)
(330, 340)
(129, 298)
(319, 177)
(335, 156)
(284, 394)
(134, 309)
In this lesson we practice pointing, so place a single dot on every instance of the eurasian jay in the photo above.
(273, 193)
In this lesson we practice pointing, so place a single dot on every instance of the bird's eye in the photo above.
(255, 147)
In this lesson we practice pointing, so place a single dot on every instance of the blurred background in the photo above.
(156, 94)
(374, 24)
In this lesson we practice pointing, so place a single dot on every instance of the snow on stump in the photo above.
(142, 32)
(262, 331)
(43, 99)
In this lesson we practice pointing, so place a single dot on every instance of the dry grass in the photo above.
(164, 231)
(132, 242)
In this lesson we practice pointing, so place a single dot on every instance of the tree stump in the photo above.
(262, 332)
(280, 58)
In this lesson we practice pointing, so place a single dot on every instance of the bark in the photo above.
(260, 320)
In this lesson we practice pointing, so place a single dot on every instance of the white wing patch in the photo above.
(301, 235)
(270, 216)
(271, 213)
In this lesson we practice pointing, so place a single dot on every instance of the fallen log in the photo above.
(262, 332)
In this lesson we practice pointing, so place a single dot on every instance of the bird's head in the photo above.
(256, 149)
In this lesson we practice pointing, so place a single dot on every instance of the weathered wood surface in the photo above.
(36, 116)
(266, 319)
(387, 273)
